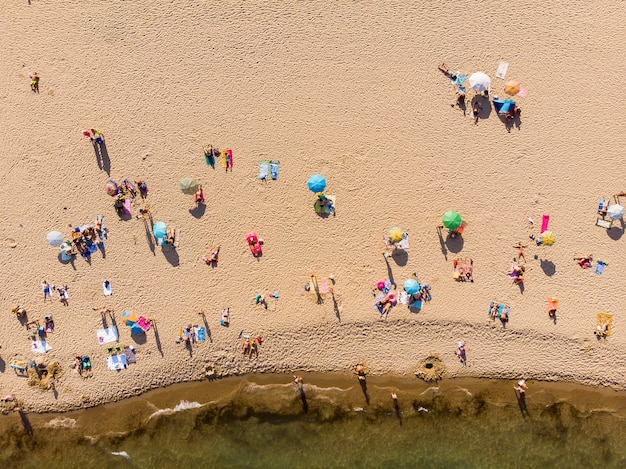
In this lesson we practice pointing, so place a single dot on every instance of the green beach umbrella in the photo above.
(452, 220)
(189, 185)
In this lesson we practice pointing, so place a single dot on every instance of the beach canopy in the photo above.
(411, 286)
(512, 87)
(452, 220)
(316, 183)
(396, 234)
(189, 185)
(159, 229)
(547, 238)
(479, 81)
(54, 238)
(111, 187)
(615, 212)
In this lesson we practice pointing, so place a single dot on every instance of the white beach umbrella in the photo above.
(480, 81)
(615, 212)
(54, 238)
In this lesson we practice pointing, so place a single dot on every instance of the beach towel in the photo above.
(403, 298)
(127, 206)
(144, 323)
(107, 335)
(264, 168)
(606, 224)
(271, 304)
(600, 267)
(503, 67)
(376, 300)
(200, 334)
(404, 242)
(40, 346)
(106, 288)
(176, 237)
(605, 318)
(324, 285)
(117, 362)
(603, 206)
(544, 222)
(130, 354)
(274, 165)
(522, 92)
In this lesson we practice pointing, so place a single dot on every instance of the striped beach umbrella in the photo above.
(111, 187)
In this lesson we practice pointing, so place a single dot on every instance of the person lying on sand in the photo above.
(447, 72)
(246, 346)
(584, 262)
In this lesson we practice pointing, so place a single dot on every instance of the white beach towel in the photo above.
(40, 346)
(117, 362)
(403, 298)
(107, 335)
(404, 243)
(503, 67)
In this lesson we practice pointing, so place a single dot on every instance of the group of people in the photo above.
(251, 347)
(505, 108)
(86, 239)
(47, 293)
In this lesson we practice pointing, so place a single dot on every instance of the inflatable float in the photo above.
(254, 244)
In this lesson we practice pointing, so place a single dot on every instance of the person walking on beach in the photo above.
(521, 386)
(460, 353)
(34, 82)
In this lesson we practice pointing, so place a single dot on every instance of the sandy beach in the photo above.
(350, 91)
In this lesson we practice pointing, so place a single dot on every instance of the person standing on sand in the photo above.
(360, 372)
(34, 82)
(521, 387)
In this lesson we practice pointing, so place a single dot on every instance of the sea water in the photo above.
(267, 421)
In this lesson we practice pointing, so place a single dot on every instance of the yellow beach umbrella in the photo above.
(512, 87)
(547, 238)
(395, 234)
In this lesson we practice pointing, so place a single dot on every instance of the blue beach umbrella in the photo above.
(411, 286)
(316, 183)
(159, 229)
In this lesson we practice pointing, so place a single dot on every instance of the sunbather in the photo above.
(584, 262)
(199, 196)
(212, 257)
(493, 310)
(46, 290)
(246, 347)
(520, 251)
(21, 312)
(225, 315)
(602, 330)
(447, 72)
(143, 188)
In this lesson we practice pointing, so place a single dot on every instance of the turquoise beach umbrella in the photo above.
(411, 286)
(316, 183)
(159, 229)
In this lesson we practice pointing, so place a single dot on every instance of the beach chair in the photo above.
(604, 223)
(19, 367)
(604, 319)
(463, 270)
(176, 237)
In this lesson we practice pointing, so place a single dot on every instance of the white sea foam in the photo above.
(62, 423)
(184, 405)
(124, 454)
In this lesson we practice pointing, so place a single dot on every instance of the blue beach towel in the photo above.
(600, 267)
(274, 165)
(200, 334)
(264, 168)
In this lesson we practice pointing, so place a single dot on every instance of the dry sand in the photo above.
(350, 90)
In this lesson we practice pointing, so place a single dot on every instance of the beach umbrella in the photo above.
(395, 234)
(111, 187)
(512, 87)
(159, 229)
(452, 220)
(54, 238)
(189, 185)
(547, 238)
(615, 212)
(316, 183)
(411, 286)
(130, 316)
(479, 81)
(135, 329)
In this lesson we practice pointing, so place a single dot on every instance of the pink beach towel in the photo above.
(544, 222)
(127, 209)
(522, 92)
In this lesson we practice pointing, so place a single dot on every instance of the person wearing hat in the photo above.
(521, 386)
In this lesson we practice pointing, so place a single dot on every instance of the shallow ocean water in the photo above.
(262, 422)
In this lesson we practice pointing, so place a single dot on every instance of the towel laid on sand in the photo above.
(200, 333)
(264, 169)
(117, 362)
(503, 67)
(107, 335)
(274, 165)
(40, 346)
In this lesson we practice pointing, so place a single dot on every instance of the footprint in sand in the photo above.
(11, 242)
